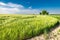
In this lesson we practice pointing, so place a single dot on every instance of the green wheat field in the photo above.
(22, 27)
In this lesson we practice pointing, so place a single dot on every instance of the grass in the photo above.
(20, 27)
(56, 16)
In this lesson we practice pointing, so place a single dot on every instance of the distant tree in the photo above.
(44, 12)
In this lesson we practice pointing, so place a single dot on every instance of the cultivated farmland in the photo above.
(21, 27)
(56, 16)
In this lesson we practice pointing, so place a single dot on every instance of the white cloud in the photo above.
(11, 8)
(1, 3)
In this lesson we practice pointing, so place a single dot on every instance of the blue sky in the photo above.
(29, 6)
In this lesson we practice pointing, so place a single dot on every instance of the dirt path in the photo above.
(53, 35)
